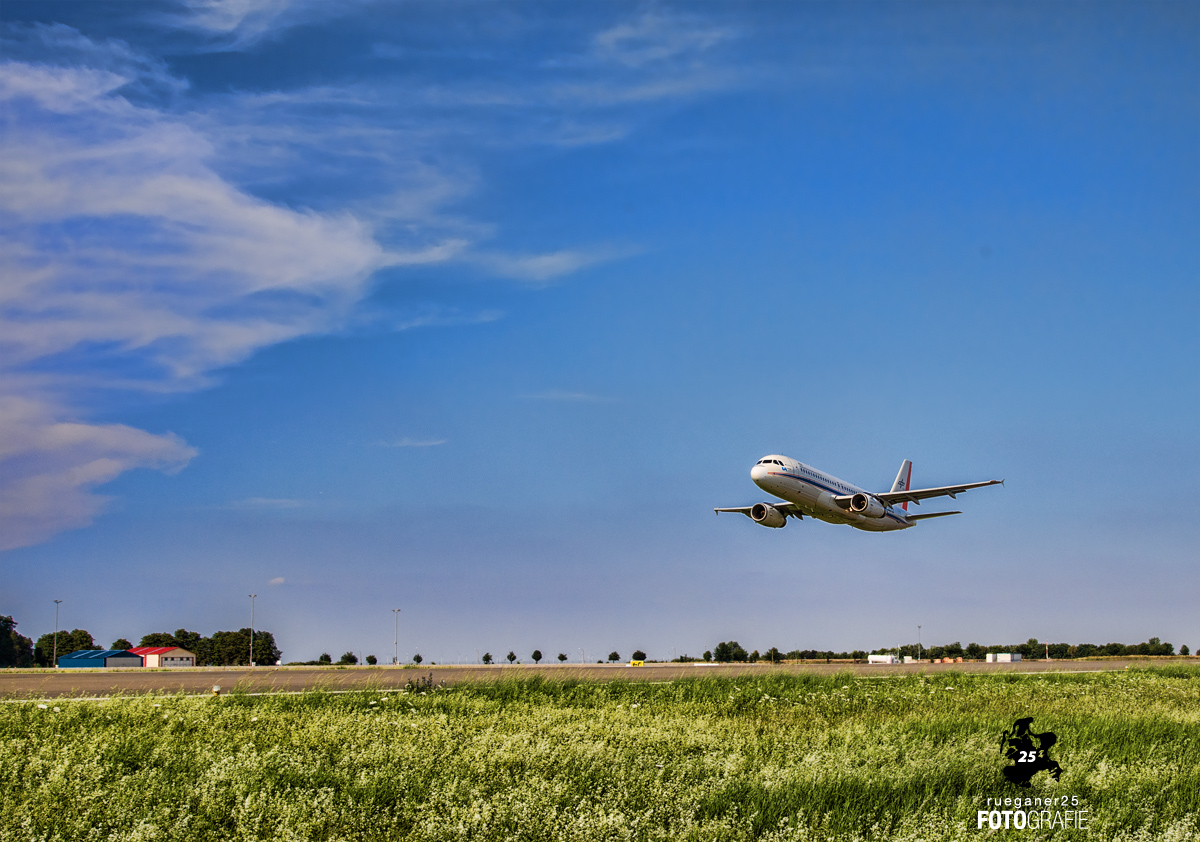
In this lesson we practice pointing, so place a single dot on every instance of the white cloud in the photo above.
(125, 260)
(48, 467)
(245, 22)
(543, 268)
(64, 46)
(407, 442)
(267, 504)
(278, 580)
(656, 37)
(567, 397)
(119, 237)
(130, 259)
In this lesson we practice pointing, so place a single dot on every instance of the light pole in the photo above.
(582, 657)
(252, 596)
(918, 642)
(396, 639)
(57, 602)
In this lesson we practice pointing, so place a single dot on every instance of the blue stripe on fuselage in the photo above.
(887, 512)
(810, 481)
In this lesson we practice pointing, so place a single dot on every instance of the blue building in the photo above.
(93, 658)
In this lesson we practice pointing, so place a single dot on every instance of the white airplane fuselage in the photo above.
(812, 491)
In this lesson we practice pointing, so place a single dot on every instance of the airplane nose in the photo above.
(758, 472)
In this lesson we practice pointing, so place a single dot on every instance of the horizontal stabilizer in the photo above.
(935, 514)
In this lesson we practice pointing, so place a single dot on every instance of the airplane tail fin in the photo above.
(903, 481)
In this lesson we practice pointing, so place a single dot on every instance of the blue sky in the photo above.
(477, 310)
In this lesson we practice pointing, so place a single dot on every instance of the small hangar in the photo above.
(96, 658)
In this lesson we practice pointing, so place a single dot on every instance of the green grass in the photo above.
(770, 757)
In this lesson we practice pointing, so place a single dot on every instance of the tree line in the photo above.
(221, 649)
(232, 648)
(731, 652)
(1033, 648)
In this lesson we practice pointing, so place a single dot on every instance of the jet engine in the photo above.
(866, 505)
(767, 515)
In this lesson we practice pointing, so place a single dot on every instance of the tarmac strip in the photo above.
(102, 682)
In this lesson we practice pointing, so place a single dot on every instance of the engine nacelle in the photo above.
(866, 505)
(767, 515)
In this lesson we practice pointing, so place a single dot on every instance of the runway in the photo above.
(46, 684)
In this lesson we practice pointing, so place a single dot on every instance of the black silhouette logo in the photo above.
(1029, 752)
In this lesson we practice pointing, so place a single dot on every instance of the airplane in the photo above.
(808, 491)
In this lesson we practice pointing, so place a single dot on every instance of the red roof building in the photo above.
(165, 656)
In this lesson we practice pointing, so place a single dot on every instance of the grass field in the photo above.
(773, 757)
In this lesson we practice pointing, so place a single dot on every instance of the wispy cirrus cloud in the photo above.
(126, 260)
(656, 36)
(411, 442)
(239, 24)
(49, 467)
(566, 396)
(543, 268)
(119, 238)
(137, 250)
(267, 504)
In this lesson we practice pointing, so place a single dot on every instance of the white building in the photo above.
(165, 656)
(882, 659)
(1002, 657)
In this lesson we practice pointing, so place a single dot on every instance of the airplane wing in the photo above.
(786, 508)
(916, 495)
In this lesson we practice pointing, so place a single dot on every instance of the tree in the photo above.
(638, 655)
(266, 653)
(121, 643)
(348, 659)
(728, 651)
(372, 660)
(232, 648)
(159, 639)
(563, 657)
(16, 650)
(754, 656)
(707, 655)
(1183, 650)
(512, 656)
(487, 657)
(537, 655)
(325, 658)
(417, 658)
